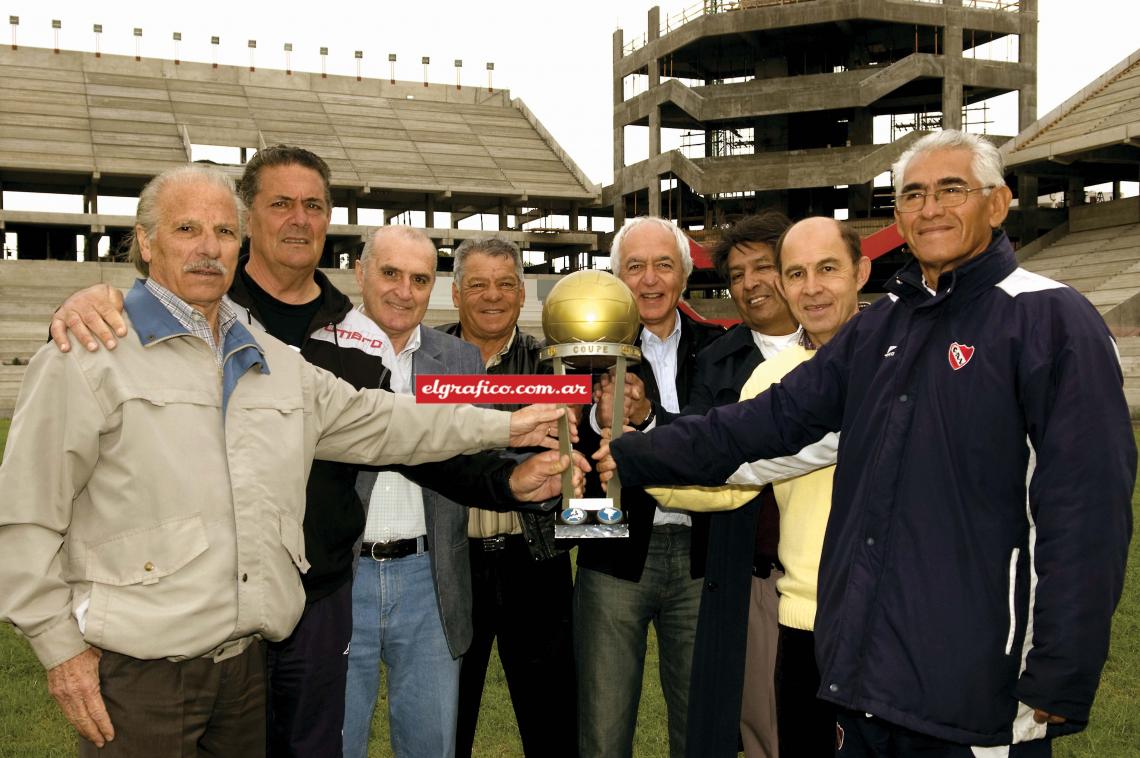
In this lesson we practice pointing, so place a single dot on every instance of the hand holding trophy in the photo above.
(590, 321)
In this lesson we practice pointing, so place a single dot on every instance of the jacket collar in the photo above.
(335, 305)
(686, 324)
(154, 323)
(964, 282)
(738, 339)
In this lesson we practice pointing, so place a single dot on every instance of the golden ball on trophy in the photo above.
(590, 306)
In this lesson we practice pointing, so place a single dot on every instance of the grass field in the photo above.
(32, 727)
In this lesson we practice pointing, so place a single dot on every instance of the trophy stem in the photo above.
(564, 447)
(613, 490)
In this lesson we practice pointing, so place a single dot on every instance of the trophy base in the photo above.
(590, 518)
(590, 531)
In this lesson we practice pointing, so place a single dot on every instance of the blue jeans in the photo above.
(611, 625)
(395, 619)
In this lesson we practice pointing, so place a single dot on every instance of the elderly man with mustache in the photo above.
(150, 536)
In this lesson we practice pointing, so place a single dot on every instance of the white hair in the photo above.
(987, 164)
(668, 226)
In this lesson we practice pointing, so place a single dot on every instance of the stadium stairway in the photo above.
(1103, 264)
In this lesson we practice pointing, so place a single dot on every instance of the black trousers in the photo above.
(166, 709)
(863, 736)
(307, 672)
(525, 604)
(805, 724)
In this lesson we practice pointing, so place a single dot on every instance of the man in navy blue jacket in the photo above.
(982, 501)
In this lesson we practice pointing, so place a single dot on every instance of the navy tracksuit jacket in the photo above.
(982, 502)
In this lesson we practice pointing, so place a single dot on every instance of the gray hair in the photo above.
(496, 246)
(149, 212)
(377, 235)
(987, 165)
(668, 226)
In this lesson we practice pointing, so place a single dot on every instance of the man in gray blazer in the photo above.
(411, 597)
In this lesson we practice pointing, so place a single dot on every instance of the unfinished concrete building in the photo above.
(92, 126)
(780, 100)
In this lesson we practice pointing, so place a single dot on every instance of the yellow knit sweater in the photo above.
(805, 503)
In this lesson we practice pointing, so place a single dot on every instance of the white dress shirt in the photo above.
(396, 508)
(662, 357)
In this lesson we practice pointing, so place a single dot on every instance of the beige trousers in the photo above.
(758, 704)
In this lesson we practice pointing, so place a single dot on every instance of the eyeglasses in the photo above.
(947, 197)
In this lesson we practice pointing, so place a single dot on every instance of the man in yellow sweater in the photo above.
(822, 269)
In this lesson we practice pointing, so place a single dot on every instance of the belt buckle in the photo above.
(494, 544)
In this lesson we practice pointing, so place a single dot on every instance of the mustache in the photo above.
(205, 266)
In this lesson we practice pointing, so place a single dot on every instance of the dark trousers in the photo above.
(163, 709)
(861, 736)
(526, 605)
(307, 673)
(805, 724)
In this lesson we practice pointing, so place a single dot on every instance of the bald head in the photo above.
(822, 269)
(814, 227)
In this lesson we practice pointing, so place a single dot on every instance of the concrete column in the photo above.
(653, 32)
(429, 211)
(90, 199)
(1027, 191)
(91, 246)
(502, 215)
(654, 70)
(952, 57)
(770, 134)
(573, 217)
(1027, 186)
(1027, 57)
(860, 131)
(352, 207)
(1076, 192)
(618, 129)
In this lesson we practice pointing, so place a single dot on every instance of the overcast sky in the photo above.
(555, 56)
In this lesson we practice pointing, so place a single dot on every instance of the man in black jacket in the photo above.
(735, 651)
(624, 584)
(521, 583)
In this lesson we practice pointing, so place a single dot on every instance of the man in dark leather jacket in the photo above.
(521, 583)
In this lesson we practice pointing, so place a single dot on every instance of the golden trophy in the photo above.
(590, 321)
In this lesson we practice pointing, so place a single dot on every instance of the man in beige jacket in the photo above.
(150, 535)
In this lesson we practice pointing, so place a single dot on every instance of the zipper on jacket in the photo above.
(1012, 600)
